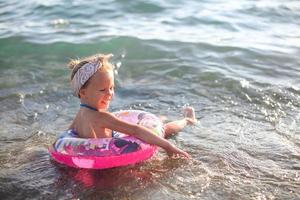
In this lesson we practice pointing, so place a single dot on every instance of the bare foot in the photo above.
(189, 114)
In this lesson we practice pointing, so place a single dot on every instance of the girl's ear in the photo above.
(82, 93)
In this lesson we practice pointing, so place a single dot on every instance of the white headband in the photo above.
(83, 74)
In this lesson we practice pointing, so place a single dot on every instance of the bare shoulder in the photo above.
(103, 117)
(96, 124)
(110, 121)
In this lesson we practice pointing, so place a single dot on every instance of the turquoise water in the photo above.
(236, 62)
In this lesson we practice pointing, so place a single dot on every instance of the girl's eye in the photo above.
(103, 90)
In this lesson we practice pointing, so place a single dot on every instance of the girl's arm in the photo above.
(111, 122)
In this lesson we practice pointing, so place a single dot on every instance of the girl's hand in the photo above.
(174, 151)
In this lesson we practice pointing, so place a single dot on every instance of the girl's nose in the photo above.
(111, 92)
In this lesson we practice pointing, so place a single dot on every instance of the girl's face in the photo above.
(99, 91)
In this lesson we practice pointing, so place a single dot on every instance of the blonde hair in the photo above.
(76, 64)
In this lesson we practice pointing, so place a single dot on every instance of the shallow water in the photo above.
(237, 63)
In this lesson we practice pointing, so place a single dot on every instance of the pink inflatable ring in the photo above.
(102, 153)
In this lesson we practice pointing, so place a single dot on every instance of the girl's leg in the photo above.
(174, 127)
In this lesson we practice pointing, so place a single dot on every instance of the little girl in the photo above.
(92, 81)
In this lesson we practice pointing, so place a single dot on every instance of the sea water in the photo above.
(236, 62)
